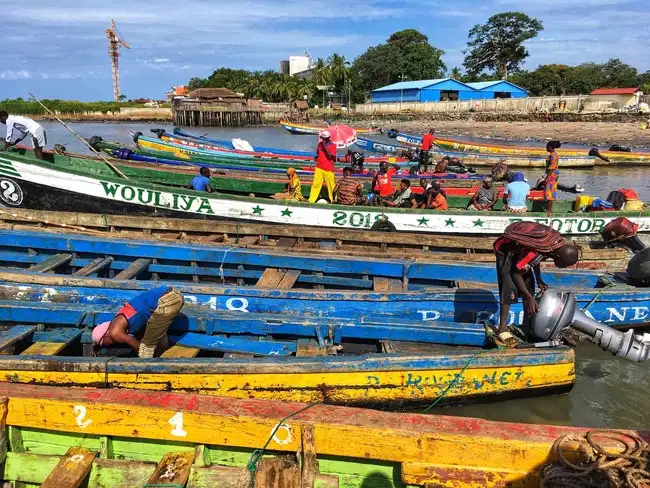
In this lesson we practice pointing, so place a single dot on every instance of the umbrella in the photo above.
(342, 135)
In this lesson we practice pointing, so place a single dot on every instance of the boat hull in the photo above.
(454, 145)
(41, 185)
(210, 441)
(482, 159)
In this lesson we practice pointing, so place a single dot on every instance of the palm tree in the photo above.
(456, 74)
(338, 69)
(322, 74)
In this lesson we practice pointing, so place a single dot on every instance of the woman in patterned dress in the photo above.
(552, 175)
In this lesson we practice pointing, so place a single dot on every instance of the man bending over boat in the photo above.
(519, 252)
(23, 126)
(142, 322)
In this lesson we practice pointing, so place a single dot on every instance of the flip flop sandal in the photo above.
(508, 339)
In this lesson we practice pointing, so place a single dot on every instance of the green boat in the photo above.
(87, 185)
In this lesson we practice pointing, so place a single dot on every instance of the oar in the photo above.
(108, 163)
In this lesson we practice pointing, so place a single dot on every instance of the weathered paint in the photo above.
(614, 306)
(425, 449)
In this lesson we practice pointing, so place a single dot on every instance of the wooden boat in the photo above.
(187, 150)
(281, 357)
(310, 129)
(175, 143)
(89, 270)
(117, 150)
(481, 159)
(455, 145)
(114, 438)
(293, 239)
(94, 186)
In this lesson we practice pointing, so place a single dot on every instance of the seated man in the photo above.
(202, 181)
(420, 200)
(436, 198)
(348, 191)
(146, 316)
(402, 197)
(485, 197)
(516, 193)
(382, 182)
(292, 190)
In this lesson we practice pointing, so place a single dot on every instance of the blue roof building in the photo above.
(444, 89)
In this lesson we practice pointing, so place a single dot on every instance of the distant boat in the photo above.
(479, 159)
(478, 147)
(309, 129)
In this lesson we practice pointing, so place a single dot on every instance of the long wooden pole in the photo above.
(110, 165)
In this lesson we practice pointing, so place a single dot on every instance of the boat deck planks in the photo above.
(137, 267)
(172, 470)
(72, 470)
(94, 267)
(51, 263)
(16, 333)
(181, 352)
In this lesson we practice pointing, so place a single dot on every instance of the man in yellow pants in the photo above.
(325, 161)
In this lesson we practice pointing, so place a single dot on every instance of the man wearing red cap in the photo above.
(324, 172)
(142, 323)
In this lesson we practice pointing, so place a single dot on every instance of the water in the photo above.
(609, 392)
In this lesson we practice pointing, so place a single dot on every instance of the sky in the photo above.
(58, 48)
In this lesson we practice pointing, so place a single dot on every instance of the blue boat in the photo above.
(229, 145)
(69, 268)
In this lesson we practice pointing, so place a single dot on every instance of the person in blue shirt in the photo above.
(142, 322)
(202, 181)
(516, 193)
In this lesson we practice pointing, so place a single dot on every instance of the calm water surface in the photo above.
(609, 392)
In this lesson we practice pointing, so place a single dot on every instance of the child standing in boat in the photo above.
(552, 175)
(147, 315)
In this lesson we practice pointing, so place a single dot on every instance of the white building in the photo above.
(299, 63)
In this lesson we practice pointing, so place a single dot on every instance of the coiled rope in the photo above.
(597, 467)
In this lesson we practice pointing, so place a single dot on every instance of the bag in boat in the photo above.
(534, 236)
(242, 145)
(619, 229)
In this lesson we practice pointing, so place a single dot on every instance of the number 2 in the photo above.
(80, 412)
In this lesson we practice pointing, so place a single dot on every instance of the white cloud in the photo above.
(161, 60)
(15, 75)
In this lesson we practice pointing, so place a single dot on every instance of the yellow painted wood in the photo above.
(342, 387)
(179, 352)
(173, 469)
(44, 348)
(71, 470)
(448, 476)
(345, 437)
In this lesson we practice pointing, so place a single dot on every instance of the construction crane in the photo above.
(114, 44)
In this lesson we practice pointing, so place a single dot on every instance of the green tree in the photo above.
(195, 83)
(456, 74)
(498, 45)
(338, 71)
(619, 75)
(548, 79)
(406, 53)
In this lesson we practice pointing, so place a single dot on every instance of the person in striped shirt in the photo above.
(348, 191)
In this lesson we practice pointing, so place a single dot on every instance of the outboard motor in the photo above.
(136, 136)
(638, 268)
(93, 141)
(619, 148)
(392, 133)
(622, 232)
(158, 132)
(558, 311)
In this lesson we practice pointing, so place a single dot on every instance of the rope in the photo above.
(596, 296)
(453, 383)
(595, 466)
(223, 259)
(257, 454)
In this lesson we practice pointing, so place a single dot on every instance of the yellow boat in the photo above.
(309, 129)
(484, 148)
(69, 437)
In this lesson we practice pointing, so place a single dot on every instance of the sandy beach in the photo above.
(590, 133)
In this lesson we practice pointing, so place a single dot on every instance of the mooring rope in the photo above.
(597, 467)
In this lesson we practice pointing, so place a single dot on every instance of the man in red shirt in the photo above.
(324, 172)
(382, 182)
(518, 271)
(425, 147)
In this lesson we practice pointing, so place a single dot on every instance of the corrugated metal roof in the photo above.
(411, 85)
(615, 91)
(479, 85)
(483, 85)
